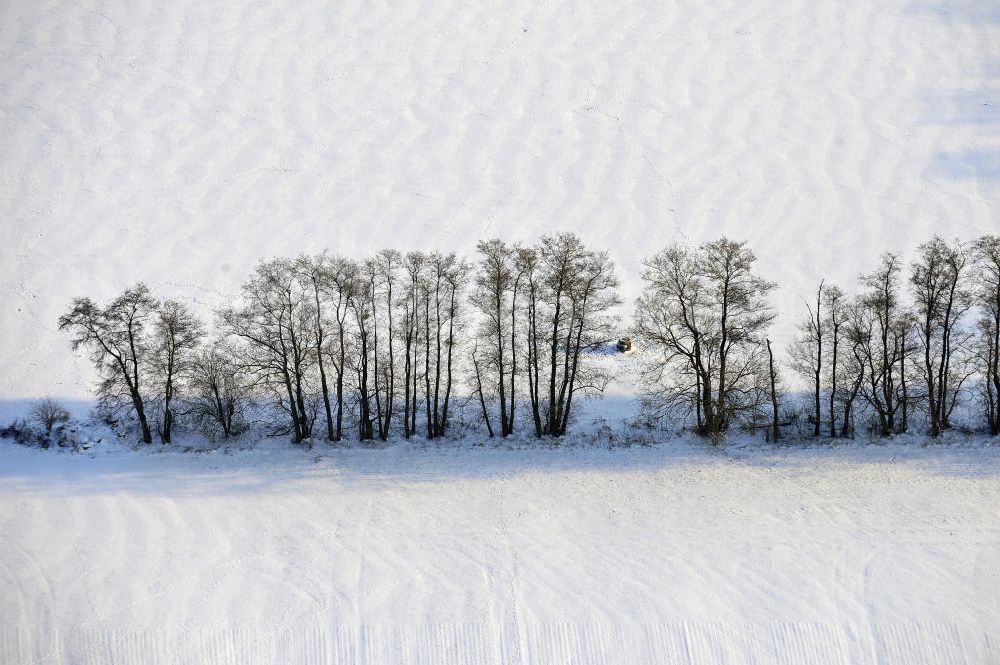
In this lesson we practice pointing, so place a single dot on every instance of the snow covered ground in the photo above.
(180, 142)
(675, 553)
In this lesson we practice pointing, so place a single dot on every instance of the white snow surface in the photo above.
(179, 142)
(414, 553)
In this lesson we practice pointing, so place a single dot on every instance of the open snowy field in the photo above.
(179, 142)
(676, 553)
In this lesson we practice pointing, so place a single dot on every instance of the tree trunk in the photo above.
(140, 412)
(819, 358)
(534, 376)
(775, 428)
(833, 379)
(339, 434)
(482, 400)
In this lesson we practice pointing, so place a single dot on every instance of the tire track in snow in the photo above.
(508, 629)
(546, 643)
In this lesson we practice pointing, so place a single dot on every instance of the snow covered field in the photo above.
(675, 553)
(180, 142)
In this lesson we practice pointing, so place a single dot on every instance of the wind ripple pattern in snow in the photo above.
(669, 553)
(180, 142)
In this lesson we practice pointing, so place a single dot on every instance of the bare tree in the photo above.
(672, 317)
(340, 288)
(363, 305)
(276, 318)
(116, 336)
(375, 305)
(176, 335)
(857, 333)
(570, 303)
(885, 347)
(315, 275)
(456, 278)
(528, 265)
(441, 294)
(413, 265)
(739, 298)
(386, 265)
(219, 393)
(498, 281)
(835, 321)
(941, 299)
(705, 311)
(480, 390)
(807, 352)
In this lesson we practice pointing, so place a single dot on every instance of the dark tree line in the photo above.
(367, 349)
(543, 311)
(400, 344)
(909, 345)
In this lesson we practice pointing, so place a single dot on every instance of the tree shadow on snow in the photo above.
(605, 445)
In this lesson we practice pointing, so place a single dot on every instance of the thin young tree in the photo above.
(340, 287)
(480, 389)
(835, 321)
(387, 265)
(807, 352)
(441, 295)
(528, 265)
(858, 335)
(314, 274)
(413, 266)
(456, 279)
(177, 332)
(363, 306)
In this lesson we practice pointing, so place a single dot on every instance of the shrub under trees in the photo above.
(48, 413)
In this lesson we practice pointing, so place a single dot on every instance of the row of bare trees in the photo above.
(341, 344)
(401, 343)
(366, 348)
(898, 356)
(544, 312)
(704, 316)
